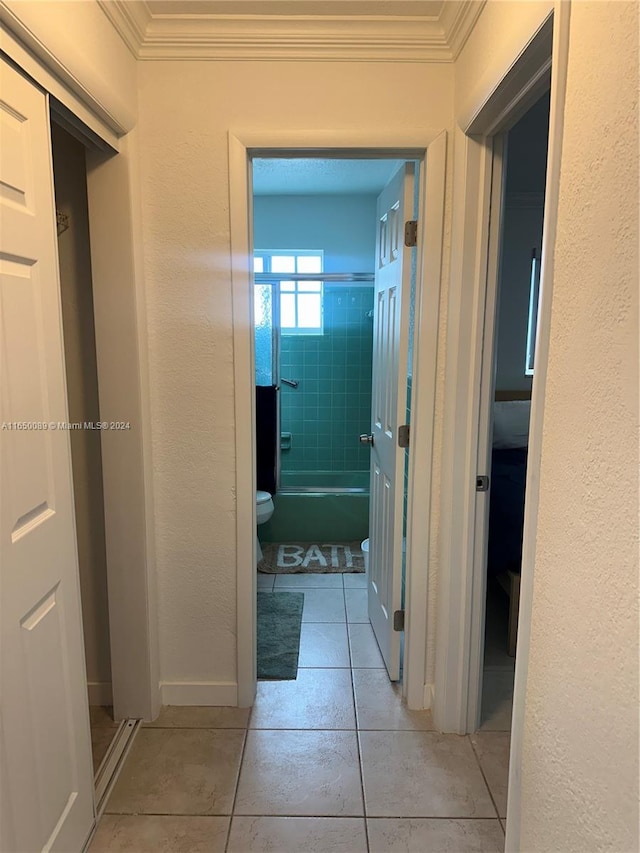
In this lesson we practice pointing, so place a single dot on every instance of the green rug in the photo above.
(279, 623)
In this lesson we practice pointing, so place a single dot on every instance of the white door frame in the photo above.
(485, 428)
(420, 144)
(97, 117)
(119, 305)
(460, 607)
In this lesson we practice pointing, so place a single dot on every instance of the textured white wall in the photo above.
(344, 226)
(580, 758)
(186, 109)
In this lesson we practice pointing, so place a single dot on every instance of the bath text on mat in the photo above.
(292, 556)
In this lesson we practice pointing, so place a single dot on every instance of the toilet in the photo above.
(264, 511)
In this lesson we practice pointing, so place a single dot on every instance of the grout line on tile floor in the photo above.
(350, 655)
(356, 728)
(305, 816)
(169, 814)
(484, 777)
(431, 817)
(304, 729)
(360, 767)
(237, 785)
(196, 728)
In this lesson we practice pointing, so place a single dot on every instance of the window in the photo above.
(532, 324)
(300, 301)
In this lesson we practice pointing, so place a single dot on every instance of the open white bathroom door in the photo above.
(390, 354)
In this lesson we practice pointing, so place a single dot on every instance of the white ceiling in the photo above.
(304, 176)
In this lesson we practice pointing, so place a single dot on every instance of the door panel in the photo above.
(390, 348)
(47, 802)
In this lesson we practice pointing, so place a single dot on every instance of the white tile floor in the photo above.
(332, 762)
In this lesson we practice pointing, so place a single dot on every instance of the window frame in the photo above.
(298, 289)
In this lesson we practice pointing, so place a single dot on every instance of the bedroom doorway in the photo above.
(506, 394)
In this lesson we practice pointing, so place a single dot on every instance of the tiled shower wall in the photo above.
(332, 404)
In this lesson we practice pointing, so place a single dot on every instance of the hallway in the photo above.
(330, 762)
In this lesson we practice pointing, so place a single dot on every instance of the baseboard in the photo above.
(100, 693)
(428, 696)
(199, 693)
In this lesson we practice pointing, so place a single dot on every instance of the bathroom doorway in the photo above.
(318, 217)
(317, 245)
(429, 147)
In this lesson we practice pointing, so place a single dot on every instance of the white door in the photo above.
(47, 777)
(390, 346)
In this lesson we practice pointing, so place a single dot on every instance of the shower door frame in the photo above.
(275, 357)
(273, 279)
(428, 147)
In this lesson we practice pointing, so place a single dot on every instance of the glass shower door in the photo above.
(266, 343)
(267, 350)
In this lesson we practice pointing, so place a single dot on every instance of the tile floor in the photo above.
(330, 762)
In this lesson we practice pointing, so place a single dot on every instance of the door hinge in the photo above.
(403, 435)
(398, 620)
(482, 483)
(411, 232)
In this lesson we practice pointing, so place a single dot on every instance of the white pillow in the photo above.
(511, 424)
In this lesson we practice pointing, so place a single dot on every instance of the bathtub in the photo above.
(332, 506)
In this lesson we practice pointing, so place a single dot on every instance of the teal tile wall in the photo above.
(332, 404)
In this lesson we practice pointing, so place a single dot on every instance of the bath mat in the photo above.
(279, 623)
(285, 558)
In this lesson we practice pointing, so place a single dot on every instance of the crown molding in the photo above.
(130, 19)
(302, 38)
(344, 38)
(458, 20)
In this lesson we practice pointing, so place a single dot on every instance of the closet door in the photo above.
(46, 776)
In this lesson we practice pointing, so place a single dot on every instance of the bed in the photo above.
(506, 497)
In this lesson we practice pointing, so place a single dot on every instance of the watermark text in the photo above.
(62, 426)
